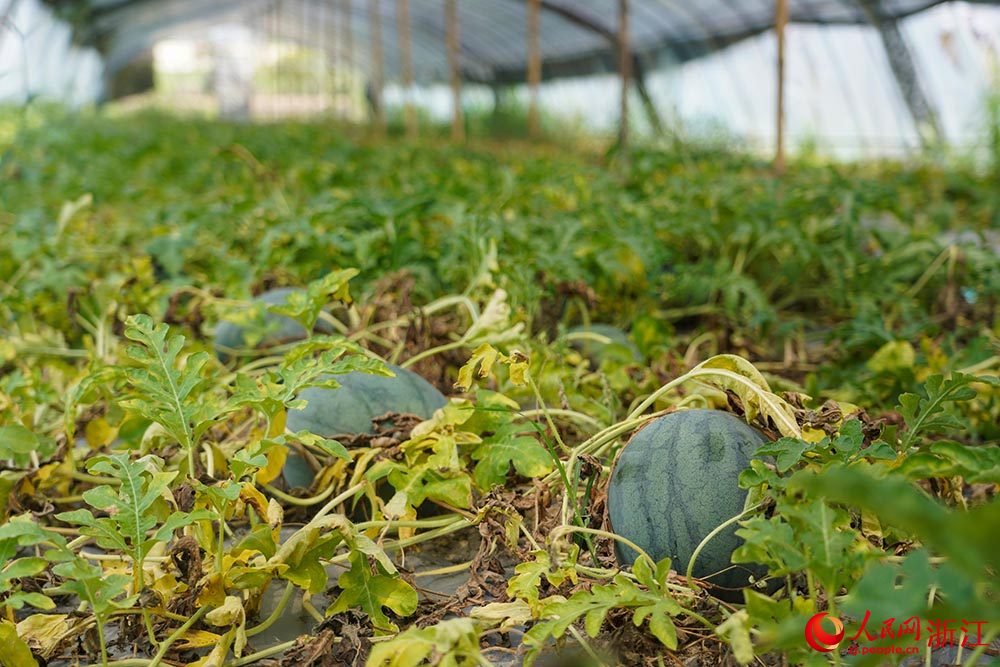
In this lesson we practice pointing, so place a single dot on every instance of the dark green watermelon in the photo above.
(349, 409)
(273, 329)
(677, 480)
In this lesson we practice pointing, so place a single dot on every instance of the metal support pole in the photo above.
(905, 70)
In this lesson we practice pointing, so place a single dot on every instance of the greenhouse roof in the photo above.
(578, 36)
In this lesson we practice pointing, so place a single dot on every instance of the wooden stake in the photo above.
(377, 81)
(534, 65)
(451, 28)
(333, 61)
(781, 20)
(347, 49)
(624, 68)
(406, 65)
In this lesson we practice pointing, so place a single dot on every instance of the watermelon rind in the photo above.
(350, 409)
(231, 338)
(675, 482)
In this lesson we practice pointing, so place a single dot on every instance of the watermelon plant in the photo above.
(140, 518)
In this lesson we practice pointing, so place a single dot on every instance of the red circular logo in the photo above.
(819, 638)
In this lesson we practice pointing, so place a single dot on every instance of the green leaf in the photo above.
(305, 307)
(966, 538)
(368, 590)
(787, 451)
(162, 389)
(736, 631)
(924, 410)
(23, 567)
(18, 443)
(593, 607)
(505, 448)
(91, 584)
(947, 458)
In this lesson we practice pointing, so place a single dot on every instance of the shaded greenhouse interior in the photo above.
(396, 47)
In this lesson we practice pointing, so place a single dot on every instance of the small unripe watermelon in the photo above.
(273, 329)
(676, 481)
(349, 409)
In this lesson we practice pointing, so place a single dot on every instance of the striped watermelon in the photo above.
(274, 329)
(676, 481)
(349, 409)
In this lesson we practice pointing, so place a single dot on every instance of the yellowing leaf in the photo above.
(893, 357)
(519, 368)
(484, 356)
(15, 652)
(812, 435)
(99, 433)
(196, 639)
(742, 378)
(45, 632)
(276, 458)
(213, 593)
(233, 614)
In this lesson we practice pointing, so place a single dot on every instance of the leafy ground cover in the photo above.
(848, 311)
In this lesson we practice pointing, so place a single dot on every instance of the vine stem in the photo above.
(559, 412)
(559, 530)
(718, 529)
(311, 609)
(326, 509)
(263, 653)
(301, 502)
(457, 524)
(432, 351)
(984, 644)
(164, 646)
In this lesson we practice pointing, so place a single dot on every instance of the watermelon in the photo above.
(349, 409)
(616, 345)
(677, 480)
(272, 330)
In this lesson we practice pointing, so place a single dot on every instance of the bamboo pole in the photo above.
(781, 20)
(377, 81)
(332, 61)
(624, 68)
(451, 28)
(534, 65)
(347, 42)
(406, 65)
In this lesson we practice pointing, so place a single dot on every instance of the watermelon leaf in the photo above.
(738, 375)
(507, 447)
(924, 410)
